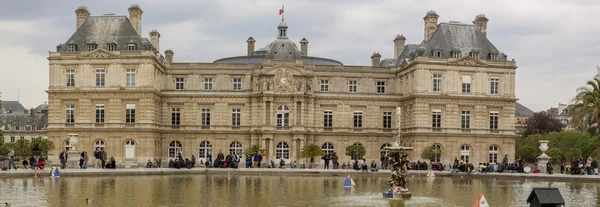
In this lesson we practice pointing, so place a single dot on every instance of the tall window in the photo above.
(465, 120)
(327, 118)
(437, 82)
(352, 85)
(92, 47)
(111, 46)
(175, 116)
(205, 117)
(100, 76)
(204, 150)
(436, 119)
(358, 119)
(494, 83)
(387, 119)
(437, 147)
(71, 48)
(131, 46)
(328, 148)
(179, 83)
(437, 53)
(129, 113)
(99, 113)
(99, 144)
(208, 84)
(237, 84)
(175, 148)
(455, 54)
(493, 154)
(70, 112)
(466, 84)
(130, 77)
(282, 150)
(493, 56)
(465, 152)
(494, 121)
(70, 78)
(129, 149)
(474, 55)
(236, 117)
(235, 148)
(283, 116)
(324, 85)
(12, 139)
(380, 87)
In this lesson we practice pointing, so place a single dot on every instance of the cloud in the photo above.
(554, 42)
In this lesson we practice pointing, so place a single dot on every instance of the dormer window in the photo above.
(474, 55)
(92, 47)
(71, 48)
(437, 53)
(455, 54)
(131, 47)
(111, 46)
(493, 56)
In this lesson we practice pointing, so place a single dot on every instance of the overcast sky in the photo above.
(555, 43)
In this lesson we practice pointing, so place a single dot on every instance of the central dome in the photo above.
(282, 49)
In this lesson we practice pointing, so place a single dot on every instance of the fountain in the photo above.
(398, 160)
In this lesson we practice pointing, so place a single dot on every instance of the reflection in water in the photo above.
(239, 190)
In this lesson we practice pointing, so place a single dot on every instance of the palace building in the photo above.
(114, 88)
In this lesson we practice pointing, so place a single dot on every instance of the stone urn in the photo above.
(73, 141)
(543, 146)
(543, 159)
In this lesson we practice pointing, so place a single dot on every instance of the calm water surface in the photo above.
(241, 190)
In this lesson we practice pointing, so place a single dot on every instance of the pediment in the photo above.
(468, 60)
(404, 63)
(100, 53)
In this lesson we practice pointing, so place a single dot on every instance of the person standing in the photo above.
(334, 158)
(85, 160)
(98, 157)
(103, 157)
(248, 161)
(595, 167)
(11, 159)
(256, 160)
(63, 159)
(81, 160)
(326, 158)
(193, 161)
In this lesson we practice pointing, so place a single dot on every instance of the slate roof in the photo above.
(14, 106)
(41, 107)
(103, 30)
(465, 38)
(546, 196)
(521, 110)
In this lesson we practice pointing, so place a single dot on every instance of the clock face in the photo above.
(284, 80)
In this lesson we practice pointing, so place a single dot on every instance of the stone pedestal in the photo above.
(73, 161)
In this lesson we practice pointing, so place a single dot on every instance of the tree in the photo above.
(42, 145)
(253, 149)
(587, 106)
(356, 151)
(311, 151)
(526, 152)
(22, 147)
(1, 125)
(431, 153)
(542, 123)
(573, 153)
(555, 155)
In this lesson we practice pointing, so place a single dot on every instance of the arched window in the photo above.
(354, 157)
(99, 144)
(493, 154)
(235, 148)
(465, 152)
(328, 148)
(438, 147)
(383, 153)
(130, 149)
(282, 150)
(67, 145)
(175, 148)
(205, 149)
(283, 116)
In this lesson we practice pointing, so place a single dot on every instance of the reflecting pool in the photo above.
(253, 190)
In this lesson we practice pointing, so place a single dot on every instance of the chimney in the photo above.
(375, 59)
(431, 19)
(135, 17)
(82, 15)
(169, 54)
(481, 23)
(304, 46)
(399, 45)
(155, 39)
(250, 42)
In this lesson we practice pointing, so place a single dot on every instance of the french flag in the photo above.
(281, 10)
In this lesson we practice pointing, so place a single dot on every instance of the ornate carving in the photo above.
(255, 84)
(100, 54)
(284, 81)
(467, 61)
(300, 85)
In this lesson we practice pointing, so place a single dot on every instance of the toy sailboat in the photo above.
(348, 183)
(481, 202)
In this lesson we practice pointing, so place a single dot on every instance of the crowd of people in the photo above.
(27, 164)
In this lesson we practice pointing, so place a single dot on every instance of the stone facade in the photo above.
(282, 103)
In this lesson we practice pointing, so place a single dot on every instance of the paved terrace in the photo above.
(291, 172)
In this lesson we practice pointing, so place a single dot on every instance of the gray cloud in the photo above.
(554, 42)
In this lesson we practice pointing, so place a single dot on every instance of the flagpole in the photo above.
(283, 12)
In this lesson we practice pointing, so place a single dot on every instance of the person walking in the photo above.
(63, 159)
(103, 157)
(256, 160)
(11, 159)
(98, 157)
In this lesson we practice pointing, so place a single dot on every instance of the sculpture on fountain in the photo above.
(398, 159)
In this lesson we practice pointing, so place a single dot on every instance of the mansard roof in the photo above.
(521, 110)
(14, 106)
(104, 30)
(458, 37)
